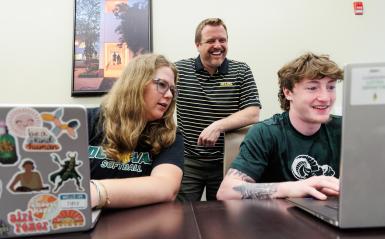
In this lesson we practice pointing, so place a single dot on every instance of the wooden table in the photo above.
(217, 220)
(267, 219)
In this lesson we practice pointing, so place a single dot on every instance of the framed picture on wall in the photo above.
(107, 35)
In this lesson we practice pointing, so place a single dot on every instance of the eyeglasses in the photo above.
(162, 87)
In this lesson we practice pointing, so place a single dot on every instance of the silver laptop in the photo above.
(362, 173)
(44, 170)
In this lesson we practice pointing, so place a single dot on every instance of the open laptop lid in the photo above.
(362, 177)
(44, 168)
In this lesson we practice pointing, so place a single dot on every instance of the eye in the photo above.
(311, 88)
(223, 40)
(331, 87)
(210, 41)
(162, 84)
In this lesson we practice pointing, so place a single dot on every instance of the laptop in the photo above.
(45, 172)
(361, 202)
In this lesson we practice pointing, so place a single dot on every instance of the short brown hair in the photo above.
(310, 66)
(210, 22)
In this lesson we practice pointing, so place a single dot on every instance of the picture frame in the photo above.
(107, 35)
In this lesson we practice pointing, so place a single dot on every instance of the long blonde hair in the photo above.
(124, 115)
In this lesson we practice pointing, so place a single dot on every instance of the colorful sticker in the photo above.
(28, 179)
(68, 218)
(44, 206)
(4, 228)
(73, 200)
(66, 171)
(19, 119)
(368, 85)
(8, 146)
(58, 126)
(40, 139)
(23, 222)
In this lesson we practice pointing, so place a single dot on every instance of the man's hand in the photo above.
(319, 187)
(209, 135)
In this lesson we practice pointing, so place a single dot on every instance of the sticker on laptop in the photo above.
(28, 179)
(44, 206)
(368, 85)
(43, 213)
(73, 200)
(67, 171)
(68, 218)
(23, 222)
(8, 146)
(40, 139)
(19, 119)
(59, 126)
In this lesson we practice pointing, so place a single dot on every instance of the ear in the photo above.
(288, 94)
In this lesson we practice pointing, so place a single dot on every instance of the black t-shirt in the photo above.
(135, 164)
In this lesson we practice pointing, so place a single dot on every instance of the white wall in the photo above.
(37, 36)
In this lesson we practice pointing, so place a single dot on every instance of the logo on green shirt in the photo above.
(305, 166)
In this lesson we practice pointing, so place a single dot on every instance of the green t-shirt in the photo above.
(274, 151)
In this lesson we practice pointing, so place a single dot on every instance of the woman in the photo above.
(135, 151)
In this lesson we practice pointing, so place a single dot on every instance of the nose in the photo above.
(217, 43)
(324, 94)
(168, 94)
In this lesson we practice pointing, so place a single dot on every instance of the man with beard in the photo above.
(215, 94)
(295, 153)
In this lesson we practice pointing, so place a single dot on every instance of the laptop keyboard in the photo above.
(332, 203)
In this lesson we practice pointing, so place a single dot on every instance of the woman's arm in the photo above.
(161, 186)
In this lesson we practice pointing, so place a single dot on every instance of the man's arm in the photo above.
(237, 185)
(247, 116)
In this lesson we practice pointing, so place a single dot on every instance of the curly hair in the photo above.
(309, 66)
(125, 125)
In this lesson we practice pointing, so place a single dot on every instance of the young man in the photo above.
(215, 94)
(295, 153)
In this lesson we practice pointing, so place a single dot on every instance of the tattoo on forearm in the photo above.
(256, 190)
(240, 175)
(250, 189)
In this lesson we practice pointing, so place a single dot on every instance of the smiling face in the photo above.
(156, 102)
(311, 102)
(212, 47)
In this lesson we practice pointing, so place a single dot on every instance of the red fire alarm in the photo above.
(358, 8)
